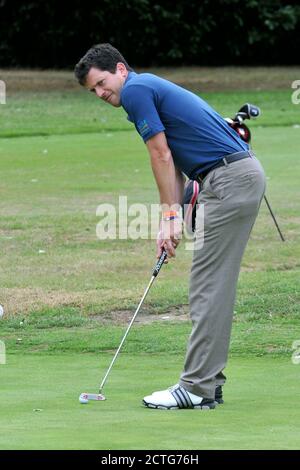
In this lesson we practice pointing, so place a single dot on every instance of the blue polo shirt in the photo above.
(197, 135)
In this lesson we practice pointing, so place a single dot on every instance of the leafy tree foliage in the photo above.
(149, 32)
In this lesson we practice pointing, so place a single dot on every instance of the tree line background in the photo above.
(55, 34)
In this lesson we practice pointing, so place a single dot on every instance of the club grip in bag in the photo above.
(159, 263)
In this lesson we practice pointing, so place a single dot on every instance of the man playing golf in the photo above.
(184, 135)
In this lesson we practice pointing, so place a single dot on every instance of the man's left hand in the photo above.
(169, 236)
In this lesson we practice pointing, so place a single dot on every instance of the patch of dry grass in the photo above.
(194, 78)
(29, 299)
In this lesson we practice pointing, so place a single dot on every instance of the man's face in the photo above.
(107, 85)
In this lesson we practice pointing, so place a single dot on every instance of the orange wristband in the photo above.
(170, 214)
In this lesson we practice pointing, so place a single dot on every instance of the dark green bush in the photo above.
(162, 32)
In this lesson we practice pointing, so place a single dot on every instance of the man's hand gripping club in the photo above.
(170, 233)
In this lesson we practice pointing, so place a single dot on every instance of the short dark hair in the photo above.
(101, 56)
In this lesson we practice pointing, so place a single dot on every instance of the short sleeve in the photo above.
(140, 104)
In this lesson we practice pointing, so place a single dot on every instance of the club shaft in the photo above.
(274, 218)
(126, 333)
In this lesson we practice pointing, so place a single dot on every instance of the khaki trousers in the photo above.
(231, 196)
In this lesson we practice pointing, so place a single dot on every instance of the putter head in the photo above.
(84, 398)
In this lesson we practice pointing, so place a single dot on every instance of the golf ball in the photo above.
(83, 400)
(1, 311)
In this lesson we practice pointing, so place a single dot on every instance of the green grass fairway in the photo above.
(68, 296)
(49, 203)
(260, 411)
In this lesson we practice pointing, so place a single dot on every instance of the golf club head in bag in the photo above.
(248, 111)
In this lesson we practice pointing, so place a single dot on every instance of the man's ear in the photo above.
(122, 68)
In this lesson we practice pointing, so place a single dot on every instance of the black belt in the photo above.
(233, 157)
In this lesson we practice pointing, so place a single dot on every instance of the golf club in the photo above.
(86, 397)
(248, 111)
(274, 218)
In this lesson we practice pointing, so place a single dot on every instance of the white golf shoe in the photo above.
(177, 397)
